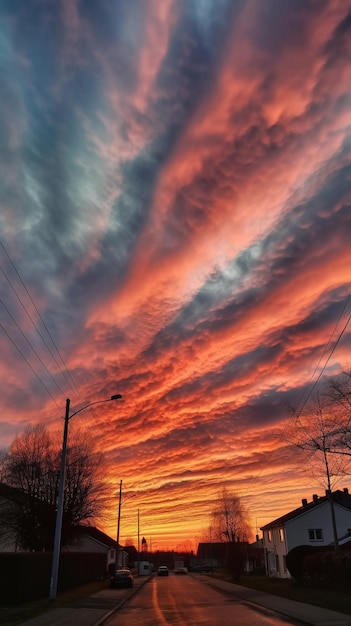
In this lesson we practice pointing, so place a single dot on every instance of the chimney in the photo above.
(304, 501)
(315, 497)
(346, 491)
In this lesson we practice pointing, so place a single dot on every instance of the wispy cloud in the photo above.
(175, 193)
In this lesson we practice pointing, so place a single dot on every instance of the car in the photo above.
(180, 570)
(121, 578)
(163, 570)
(201, 568)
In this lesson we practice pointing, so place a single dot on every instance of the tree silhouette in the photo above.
(32, 469)
(319, 432)
(230, 519)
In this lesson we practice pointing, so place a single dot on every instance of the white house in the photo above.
(91, 539)
(310, 524)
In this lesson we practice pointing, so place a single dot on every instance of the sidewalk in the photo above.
(90, 611)
(95, 610)
(308, 613)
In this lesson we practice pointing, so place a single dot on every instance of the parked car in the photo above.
(163, 570)
(201, 568)
(121, 578)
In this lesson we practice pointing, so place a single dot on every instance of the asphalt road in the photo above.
(185, 600)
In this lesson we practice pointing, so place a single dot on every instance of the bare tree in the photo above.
(32, 469)
(230, 524)
(230, 519)
(339, 397)
(317, 433)
(129, 541)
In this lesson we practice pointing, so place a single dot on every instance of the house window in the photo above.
(269, 535)
(281, 534)
(315, 534)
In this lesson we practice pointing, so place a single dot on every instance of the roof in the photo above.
(210, 550)
(215, 550)
(339, 497)
(132, 552)
(96, 534)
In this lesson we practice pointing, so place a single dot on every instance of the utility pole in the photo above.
(138, 542)
(118, 523)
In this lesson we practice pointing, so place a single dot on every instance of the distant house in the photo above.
(310, 524)
(211, 554)
(254, 558)
(130, 557)
(216, 555)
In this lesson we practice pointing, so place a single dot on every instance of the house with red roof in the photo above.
(310, 524)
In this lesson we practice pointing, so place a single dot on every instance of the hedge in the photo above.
(321, 566)
(25, 576)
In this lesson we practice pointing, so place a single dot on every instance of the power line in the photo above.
(41, 319)
(304, 402)
(29, 365)
(30, 345)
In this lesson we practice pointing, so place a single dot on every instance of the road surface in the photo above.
(186, 601)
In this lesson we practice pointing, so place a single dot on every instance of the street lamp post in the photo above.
(58, 528)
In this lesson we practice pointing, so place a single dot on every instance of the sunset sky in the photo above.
(175, 226)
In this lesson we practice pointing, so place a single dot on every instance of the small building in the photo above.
(144, 568)
(254, 557)
(210, 554)
(310, 524)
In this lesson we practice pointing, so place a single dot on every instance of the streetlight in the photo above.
(58, 528)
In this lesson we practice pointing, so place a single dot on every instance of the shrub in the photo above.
(329, 569)
(321, 566)
(295, 561)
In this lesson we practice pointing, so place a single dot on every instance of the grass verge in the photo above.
(14, 615)
(286, 588)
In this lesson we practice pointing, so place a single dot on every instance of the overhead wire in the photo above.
(67, 377)
(64, 372)
(30, 345)
(29, 365)
(304, 399)
(33, 322)
(322, 355)
(42, 321)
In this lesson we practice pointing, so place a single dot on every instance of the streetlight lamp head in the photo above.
(117, 396)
